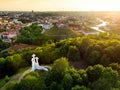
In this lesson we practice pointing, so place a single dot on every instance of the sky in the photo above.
(60, 5)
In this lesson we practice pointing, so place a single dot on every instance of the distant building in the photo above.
(16, 21)
(8, 36)
(61, 25)
(45, 26)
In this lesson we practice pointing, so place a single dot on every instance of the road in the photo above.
(18, 77)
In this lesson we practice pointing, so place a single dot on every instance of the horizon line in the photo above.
(60, 11)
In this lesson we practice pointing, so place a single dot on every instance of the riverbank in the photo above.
(97, 27)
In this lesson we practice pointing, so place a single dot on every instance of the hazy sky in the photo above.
(59, 5)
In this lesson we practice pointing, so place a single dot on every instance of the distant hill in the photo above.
(61, 33)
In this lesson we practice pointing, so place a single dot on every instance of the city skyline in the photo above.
(60, 5)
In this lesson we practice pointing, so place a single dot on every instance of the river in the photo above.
(97, 27)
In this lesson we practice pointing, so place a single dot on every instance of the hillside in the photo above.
(16, 78)
(61, 33)
(92, 60)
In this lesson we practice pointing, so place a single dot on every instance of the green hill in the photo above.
(14, 79)
(61, 33)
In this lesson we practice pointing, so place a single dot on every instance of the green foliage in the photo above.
(55, 86)
(62, 51)
(13, 63)
(67, 81)
(11, 86)
(77, 87)
(115, 66)
(93, 57)
(84, 45)
(60, 65)
(77, 79)
(2, 82)
(7, 78)
(31, 82)
(2, 65)
(73, 53)
(105, 61)
(94, 72)
(32, 35)
(61, 33)
(93, 78)
(93, 49)
(3, 45)
(53, 77)
(84, 76)
(58, 71)
(107, 81)
(25, 20)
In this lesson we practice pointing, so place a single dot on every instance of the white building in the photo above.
(45, 26)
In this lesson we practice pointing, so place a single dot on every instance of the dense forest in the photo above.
(100, 52)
